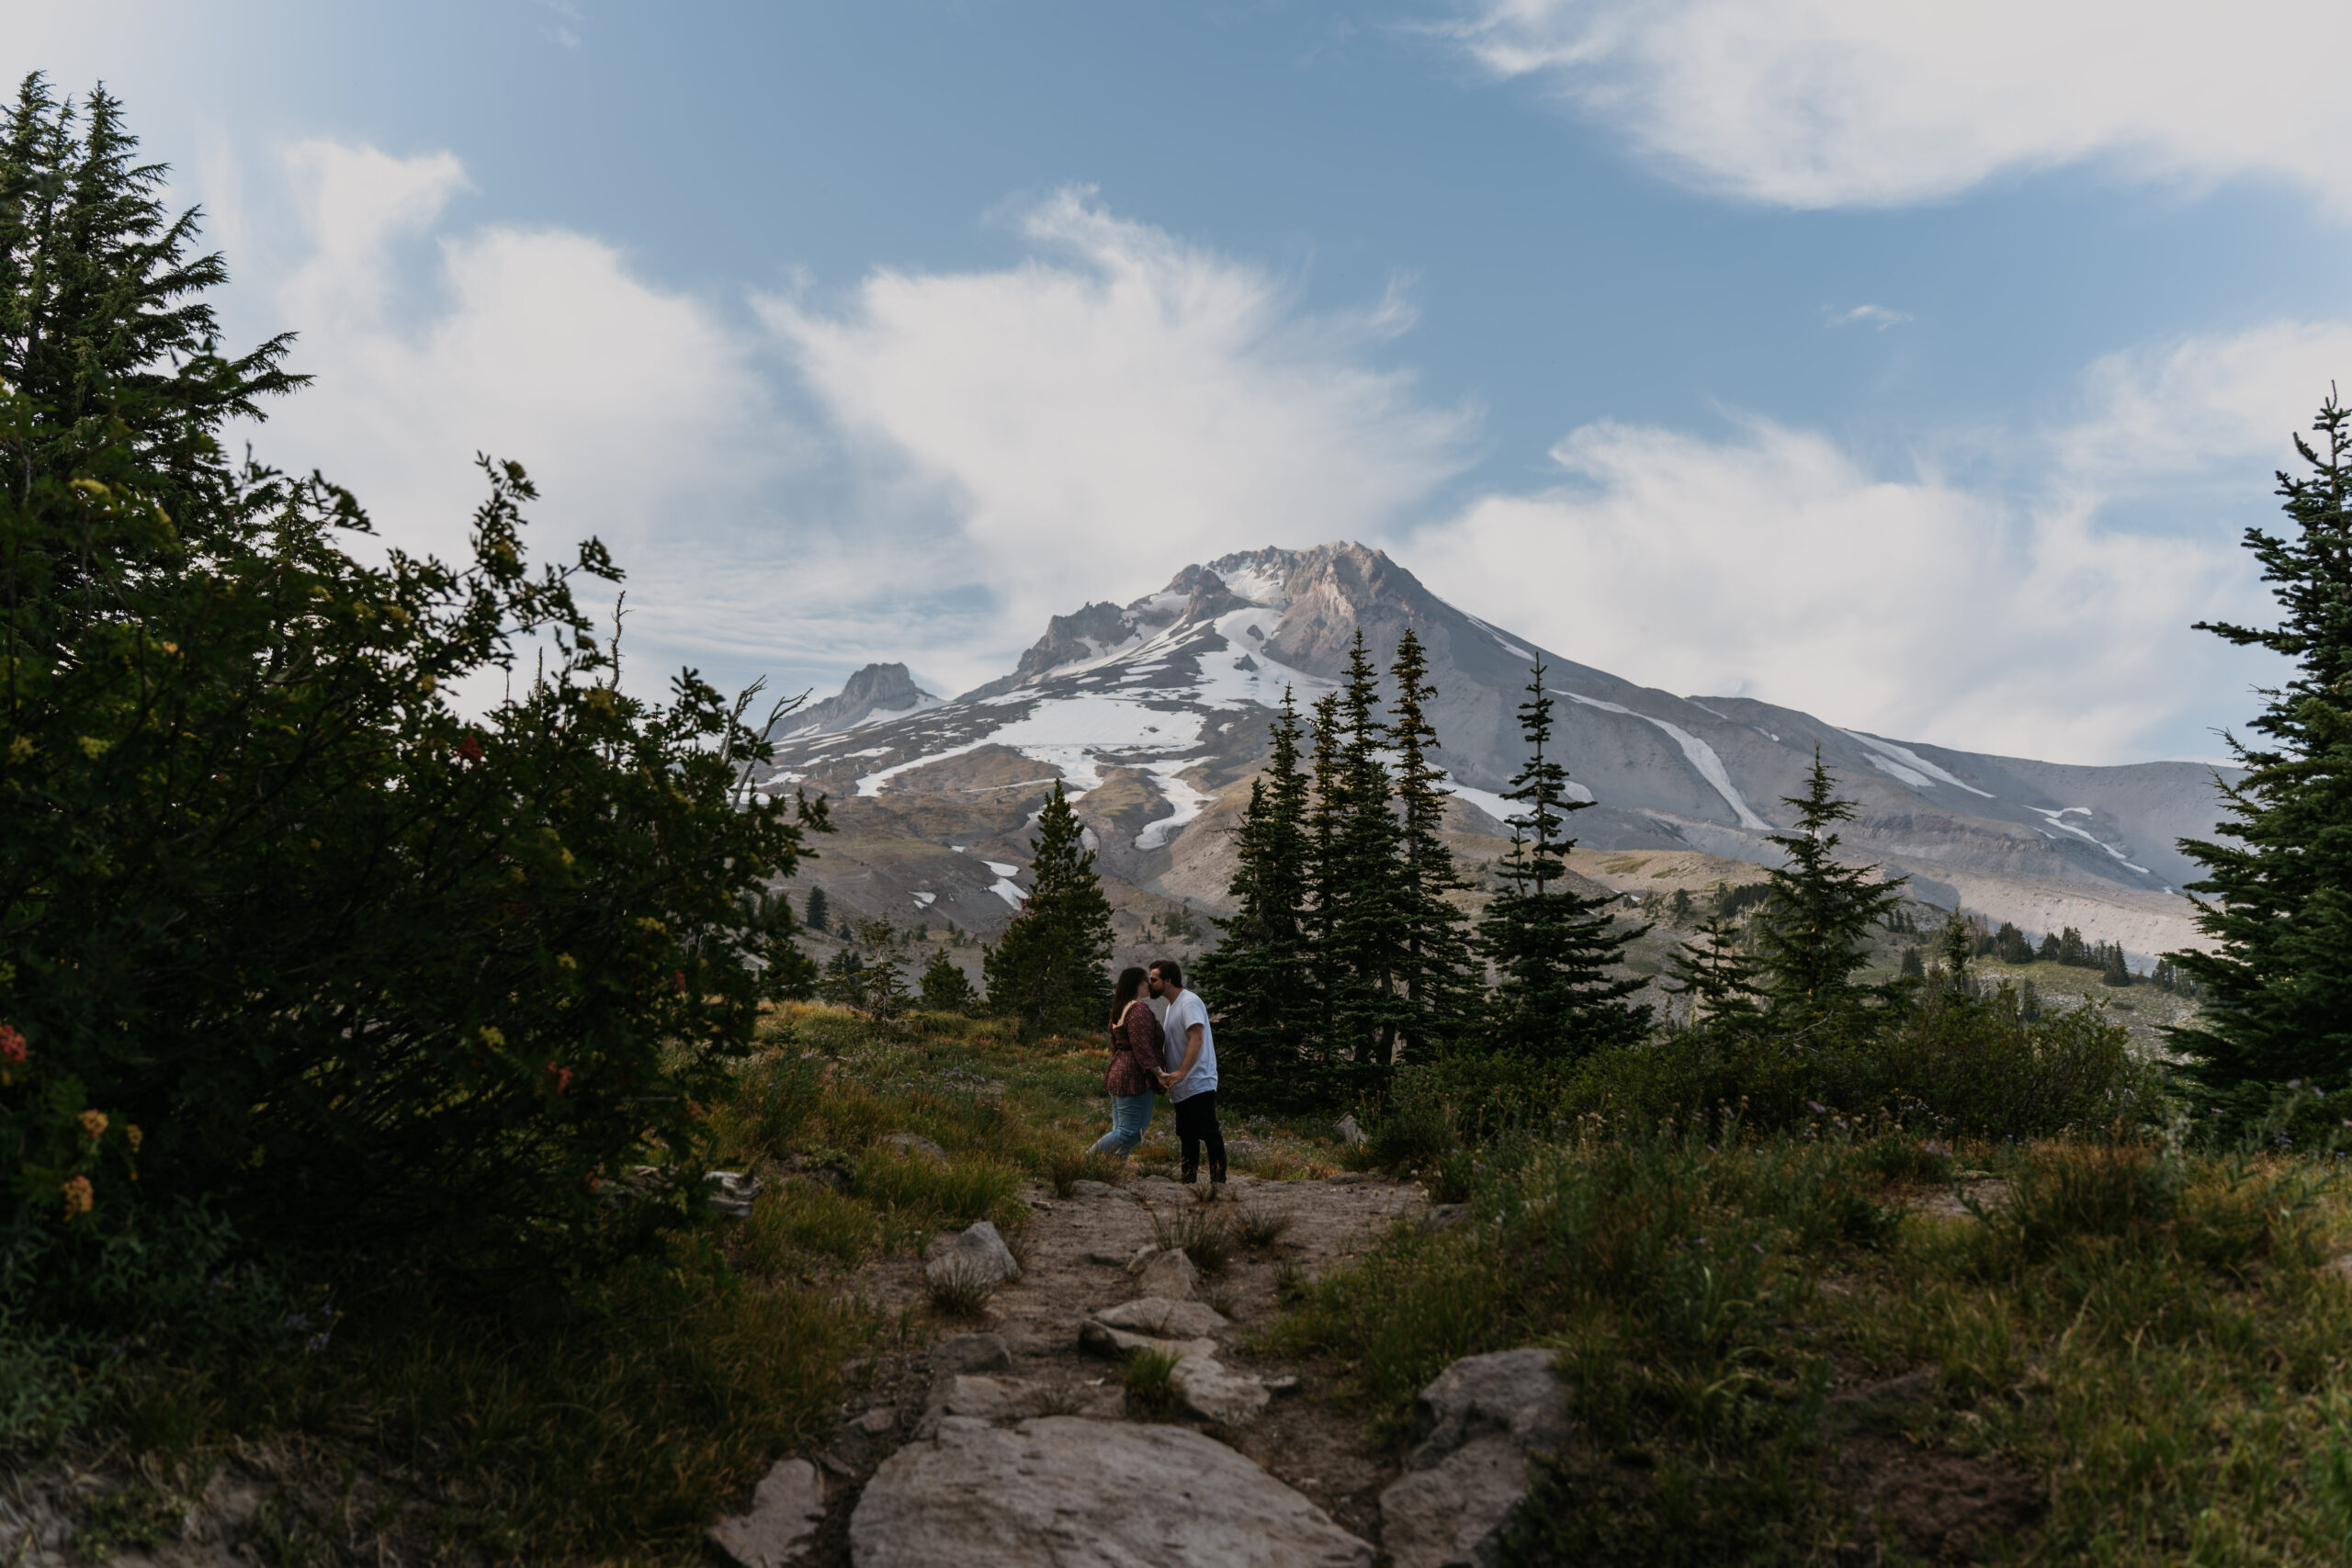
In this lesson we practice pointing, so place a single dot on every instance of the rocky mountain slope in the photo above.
(1154, 718)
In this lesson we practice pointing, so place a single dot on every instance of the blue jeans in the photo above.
(1130, 1114)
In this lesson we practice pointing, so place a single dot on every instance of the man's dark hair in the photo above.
(1169, 971)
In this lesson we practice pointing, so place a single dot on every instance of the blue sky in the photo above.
(1915, 365)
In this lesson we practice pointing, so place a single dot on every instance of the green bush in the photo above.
(280, 924)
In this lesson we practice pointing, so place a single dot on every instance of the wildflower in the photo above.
(79, 1199)
(492, 1036)
(1816, 1108)
(21, 748)
(170, 647)
(694, 1109)
(565, 961)
(298, 1321)
(12, 1044)
(135, 1135)
(678, 981)
(94, 1123)
(562, 1077)
(470, 747)
(316, 1343)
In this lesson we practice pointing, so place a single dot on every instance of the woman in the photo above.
(1134, 1067)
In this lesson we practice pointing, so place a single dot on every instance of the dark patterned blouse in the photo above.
(1136, 1044)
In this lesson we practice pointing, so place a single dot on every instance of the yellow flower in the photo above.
(93, 748)
(170, 647)
(21, 748)
(492, 1036)
(93, 1123)
(135, 1135)
(565, 961)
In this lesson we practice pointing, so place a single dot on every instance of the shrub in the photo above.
(1204, 1234)
(1150, 1380)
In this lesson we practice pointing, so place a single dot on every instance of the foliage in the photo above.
(1046, 972)
(1363, 927)
(274, 916)
(1552, 947)
(1438, 977)
(944, 986)
(1816, 928)
(1724, 988)
(2279, 899)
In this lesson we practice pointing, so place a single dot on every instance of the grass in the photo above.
(1204, 1234)
(2133, 1355)
(610, 1421)
(1150, 1380)
(959, 1290)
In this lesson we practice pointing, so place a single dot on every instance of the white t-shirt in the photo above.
(1186, 1010)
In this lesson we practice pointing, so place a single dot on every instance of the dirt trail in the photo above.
(1074, 1251)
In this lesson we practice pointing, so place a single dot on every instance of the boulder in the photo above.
(1170, 1276)
(1215, 1392)
(1446, 1217)
(977, 1254)
(1098, 1190)
(733, 1192)
(1063, 1490)
(972, 1353)
(785, 1509)
(1102, 1339)
(1142, 1256)
(1474, 1428)
(1170, 1320)
(1347, 1131)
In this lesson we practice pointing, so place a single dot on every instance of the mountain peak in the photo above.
(876, 693)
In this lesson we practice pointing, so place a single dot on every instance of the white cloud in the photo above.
(1837, 103)
(1774, 565)
(1877, 315)
(1119, 405)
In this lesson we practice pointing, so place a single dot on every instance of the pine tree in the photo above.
(817, 915)
(1261, 978)
(1552, 948)
(1816, 929)
(2279, 899)
(1439, 991)
(1720, 980)
(945, 987)
(1363, 954)
(1048, 971)
(843, 983)
(1326, 811)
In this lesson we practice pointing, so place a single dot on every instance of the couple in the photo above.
(1139, 1048)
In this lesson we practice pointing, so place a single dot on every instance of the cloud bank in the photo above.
(1875, 103)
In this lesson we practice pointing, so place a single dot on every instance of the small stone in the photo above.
(1102, 1339)
(877, 1422)
(785, 1509)
(1143, 1255)
(972, 1353)
(1108, 1259)
(732, 1192)
(1214, 1390)
(977, 1254)
(914, 1145)
(1170, 1276)
(1094, 1190)
(1171, 1320)
(1287, 1382)
(1445, 1217)
(1347, 1178)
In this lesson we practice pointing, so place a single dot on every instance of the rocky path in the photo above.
(1013, 1443)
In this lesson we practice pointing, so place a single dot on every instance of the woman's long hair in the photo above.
(1130, 986)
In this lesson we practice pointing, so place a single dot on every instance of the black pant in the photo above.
(1195, 1125)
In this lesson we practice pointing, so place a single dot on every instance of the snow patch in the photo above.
(1701, 756)
(925, 900)
(1502, 810)
(1908, 765)
(2052, 817)
(1008, 893)
(1184, 803)
(1001, 868)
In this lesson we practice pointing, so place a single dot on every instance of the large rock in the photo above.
(972, 1353)
(1102, 1339)
(1170, 1276)
(978, 1254)
(1170, 1320)
(1070, 1493)
(1216, 1392)
(914, 1145)
(787, 1506)
(1475, 1428)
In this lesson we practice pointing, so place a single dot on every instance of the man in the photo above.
(1192, 1086)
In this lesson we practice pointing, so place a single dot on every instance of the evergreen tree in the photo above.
(817, 915)
(1439, 991)
(1552, 948)
(1048, 971)
(1364, 952)
(1720, 980)
(2051, 950)
(1325, 813)
(1262, 978)
(1816, 929)
(2279, 899)
(945, 987)
(843, 980)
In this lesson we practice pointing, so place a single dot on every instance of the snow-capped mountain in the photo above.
(1155, 715)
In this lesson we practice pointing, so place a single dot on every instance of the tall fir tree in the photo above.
(1364, 951)
(1438, 983)
(1261, 979)
(2278, 992)
(1816, 928)
(1049, 971)
(1326, 810)
(1552, 947)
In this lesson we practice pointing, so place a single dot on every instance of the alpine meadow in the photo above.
(471, 1095)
